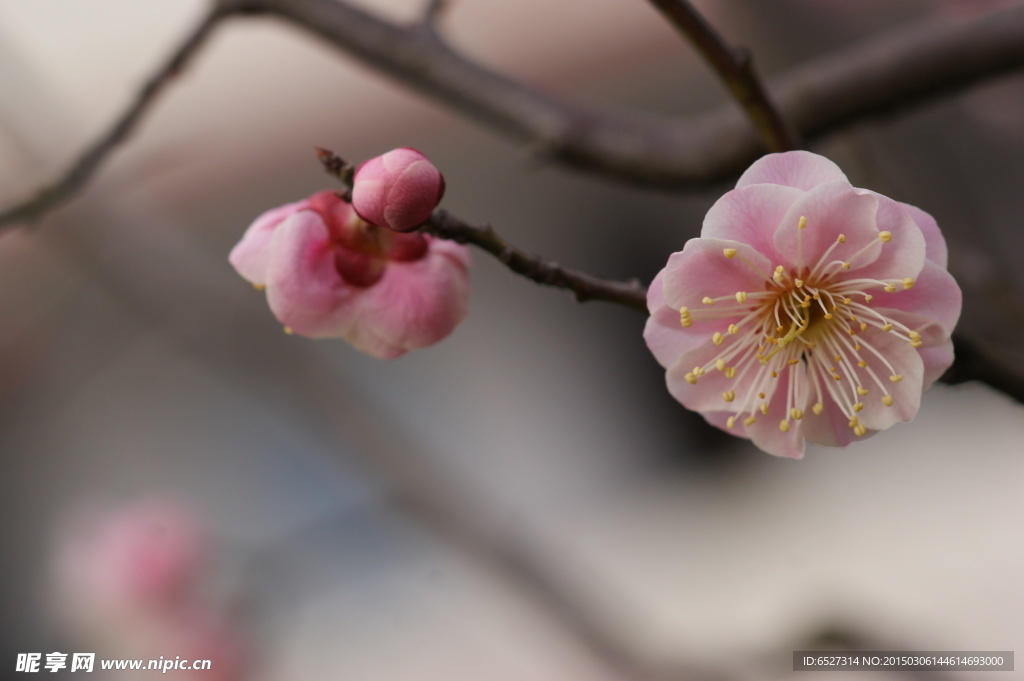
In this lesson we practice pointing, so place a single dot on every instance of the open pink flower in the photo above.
(329, 273)
(398, 190)
(807, 310)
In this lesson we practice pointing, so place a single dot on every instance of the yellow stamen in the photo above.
(729, 395)
(690, 378)
(860, 430)
(797, 414)
(741, 296)
(885, 236)
(730, 422)
(887, 328)
(862, 391)
(749, 421)
(720, 364)
(730, 372)
(259, 287)
(729, 253)
(896, 378)
(890, 288)
(841, 238)
(818, 408)
(908, 282)
(708, 301)
(784, 425)
(887, 400)
(718, 338)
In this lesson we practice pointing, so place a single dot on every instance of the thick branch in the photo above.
(736, 69)
(75, 178)
(905, 68)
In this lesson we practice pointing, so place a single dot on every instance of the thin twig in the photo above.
(631, 294)
(75, 178)
(736, 69)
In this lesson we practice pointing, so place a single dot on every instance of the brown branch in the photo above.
(736, 69)
(905, 68)
(584, 287)
(74, 179)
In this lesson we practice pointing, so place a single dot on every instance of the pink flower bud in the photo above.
(398, 190)
(328, 273)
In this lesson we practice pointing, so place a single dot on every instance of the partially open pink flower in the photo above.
(329, 273)
(807, 310)
(398, 190)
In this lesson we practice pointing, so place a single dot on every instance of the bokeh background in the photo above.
(135, 365)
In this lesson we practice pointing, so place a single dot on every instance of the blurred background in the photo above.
(521, 501)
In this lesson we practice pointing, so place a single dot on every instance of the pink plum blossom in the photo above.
(807, 310)
(328, 273)
(143, 558)
(398, 190)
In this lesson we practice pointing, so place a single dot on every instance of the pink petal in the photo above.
(935, 242)
(702, 270)
(751, 215)
(901, 257)
(765, 432)
(664, 333)
(251, 254)
(800, 169)
(416, 303)
(304, 289)
(831, 209)
(935, 296)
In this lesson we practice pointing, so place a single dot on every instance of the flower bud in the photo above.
(398, 190)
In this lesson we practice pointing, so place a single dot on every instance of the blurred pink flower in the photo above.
(807, 310)
(143, 558)
(398, 190)
(329, 273)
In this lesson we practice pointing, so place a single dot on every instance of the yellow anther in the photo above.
(803, 222)
(858, 406)
(861, 363)
(793, 361)
(837, 377)
(733, 329)
(690, 378)
(289, 330)
(729, 395)
(812, 344)
(863, 326)
(778, 275)
(684, 316)
(908, 282)
(764, 409)
(856, 348)
(916, 344)
(868, 298)
(816, 296)
(838, 358)
(862, 391)
(887, 327)
(818, 408)
(850, 331)
(860, 430)
(730, 372)
(841, 239)
(761, 395)
(885, 236)
(784, 425)
(741, 296)
(774, 374)
(854, 421)
(847, 301)
(749, 421)
(896, 378)
(798, 282)
(890, 288)
(729, 252)
(797, 414)
(887, 400)
(698, 371)
(846, 265)
(708, 301)
(914, 335)
(828, 315)
(720, 364)
(259, 287)
(730, 422)
(718, 338)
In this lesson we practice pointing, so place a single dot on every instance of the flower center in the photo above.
(809, 321)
